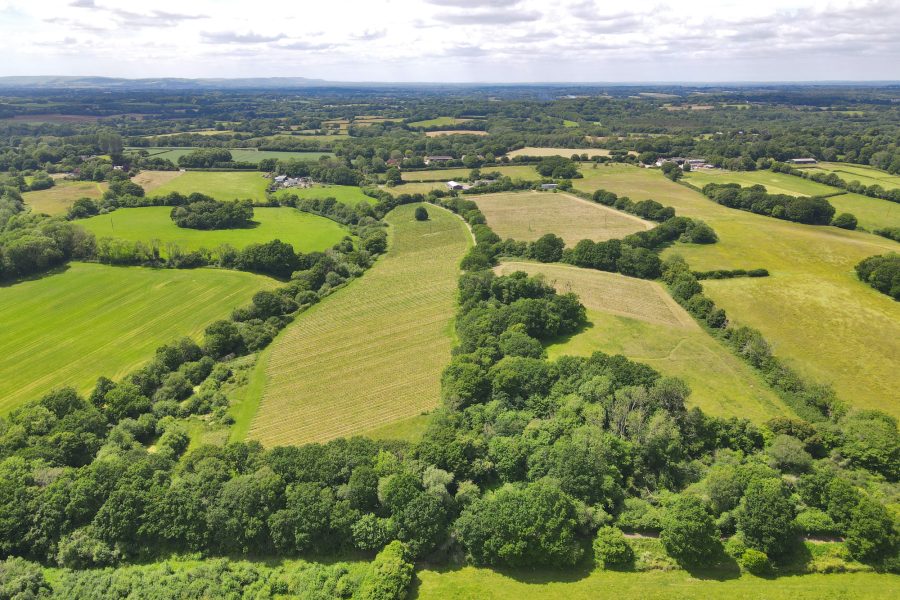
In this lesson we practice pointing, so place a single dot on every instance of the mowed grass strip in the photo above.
(814, 311)
(221, 185)
(638, 319)
(57, 200)
(529, 215)
(71, 327)
(305, 232)
(371, 354)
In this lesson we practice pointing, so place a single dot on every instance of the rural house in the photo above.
(803, 161)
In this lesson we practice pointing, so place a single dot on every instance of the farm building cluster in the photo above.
(693, 163)
(283, 181)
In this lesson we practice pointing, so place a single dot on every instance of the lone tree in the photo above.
(421, 213)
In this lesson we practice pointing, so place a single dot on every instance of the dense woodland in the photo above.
(529, 462)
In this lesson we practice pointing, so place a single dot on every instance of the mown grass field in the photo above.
(305, 232)
(515, 172)
(567, 152)
(150, 180)
(415, 188)
(347, 194)
(71, 327)
(529, 215)
(862, 173)
(221, 185)
(455, 132)
(871, 213)
(818, 316)
(58, 199)
(471, 583)
(638, 319)
(371, 354)
(439, 122)
(238, 154)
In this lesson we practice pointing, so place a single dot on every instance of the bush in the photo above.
(689, 534)
(882, 273)
(844, 221)
(611, 549)
(21, 580)
(389, 576)
(421, 214)
(754, 561)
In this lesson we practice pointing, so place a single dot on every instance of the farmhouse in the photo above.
(455, 185)
(803, 161)
(437, 159)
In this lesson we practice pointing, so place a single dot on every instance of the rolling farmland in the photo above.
(439, 122)
(818, 316)
(566, 152)
(862, 173)
(305, 232)
(250, 155)
(58, 199)
(371, 354)
(515, 172)
(529, 215)
(638, 318)
(90, 320)
(347, 194)
(221, 185)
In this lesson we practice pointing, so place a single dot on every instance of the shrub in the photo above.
(611, 549)
(21, 580)
(689, 534)
(389, 576)
(421, 214)
(754, 561)
(844, 221)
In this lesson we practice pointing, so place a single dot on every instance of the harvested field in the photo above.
(567, 152)
(529, 215)
(58, 199)
(150, 180)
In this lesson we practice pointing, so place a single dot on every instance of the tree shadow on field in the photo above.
(35, 276)
(722, 568)
(565, 338)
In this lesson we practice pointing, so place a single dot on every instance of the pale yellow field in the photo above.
(567, 152)
(150, 180)
(638, 319)
(372, 354)
(58, 199)
(529, 215)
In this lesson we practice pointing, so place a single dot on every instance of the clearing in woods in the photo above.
(529, 215)
(566, 152)
(638, 319)
(57, 200)
(814, 311)
(221, 185)
(71, 327)
(304, 231)
(372, 354)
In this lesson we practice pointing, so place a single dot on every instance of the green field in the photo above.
(415, 188)
(776, 183)
(515, 172)
(818, 316)
(221, 185)
(871, 213)
(58, 199)
(305, 232)
(238, 154)
(69, 328)
(372, 354)
(347, 194)
(638, 319)
(864, 174)
(439, 122)
(471, 583)
(566, 152)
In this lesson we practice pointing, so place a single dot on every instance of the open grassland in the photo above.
(514, 172)
(250, 155)
(221, 185)
(638, 319)
(864, 174)
(471, 583)
(58, 199)
(305, 232)
(71, 327)
(529, 215)
(371, 354)
(818, 316)
(439, 122)
(871, 213)
(347, 194)
(567, 152)
(455, 132)
(776, 183)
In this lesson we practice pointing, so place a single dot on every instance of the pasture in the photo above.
(304, 231)
(150, 180)
(567, 152)
(529, 215)
(221, 185)
(439, 122)
(776, 183)
(814, 311)
(514, 172)
(415, 187)
(58, 199)
(251, 155)
(455, 132)
(638, 319)
(371, 354)
(862, 173)
(871, 213)
(348, 194)
(70, 327)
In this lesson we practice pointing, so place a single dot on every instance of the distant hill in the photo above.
(171, 83)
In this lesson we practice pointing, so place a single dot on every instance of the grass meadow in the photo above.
(566, 152)
(529, 215)
(371, 354)
(238, 154)
(515, 172)
(347, 194)
(455, 132)
(861, 173)
(638, 319)
(305, 232)
(70, 327)
(439, 122)
(814, 311)
(57, 200)
(415, 188)
(221, 185)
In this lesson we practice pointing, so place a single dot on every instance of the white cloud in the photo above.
(456, 40)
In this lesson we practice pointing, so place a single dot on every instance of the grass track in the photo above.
(58, 199)
(372, 354)
(529, 215)
(305, 232)
(638, 318)
(221, 185)
(818, 316)
(69, 328)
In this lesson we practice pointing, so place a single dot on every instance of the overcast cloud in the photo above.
(456, 40)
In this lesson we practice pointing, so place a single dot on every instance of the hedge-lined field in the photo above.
(862, 173)
(69, 328)
(304, 231)
(638, 318)
(238, 154)
(776, 183)
(58, 199)
(221, 185)
(529, 215)
(373, 353)
(819, 317)
(348, 194)
(526, 172)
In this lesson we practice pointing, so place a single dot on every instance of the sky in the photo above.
(456, 40)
